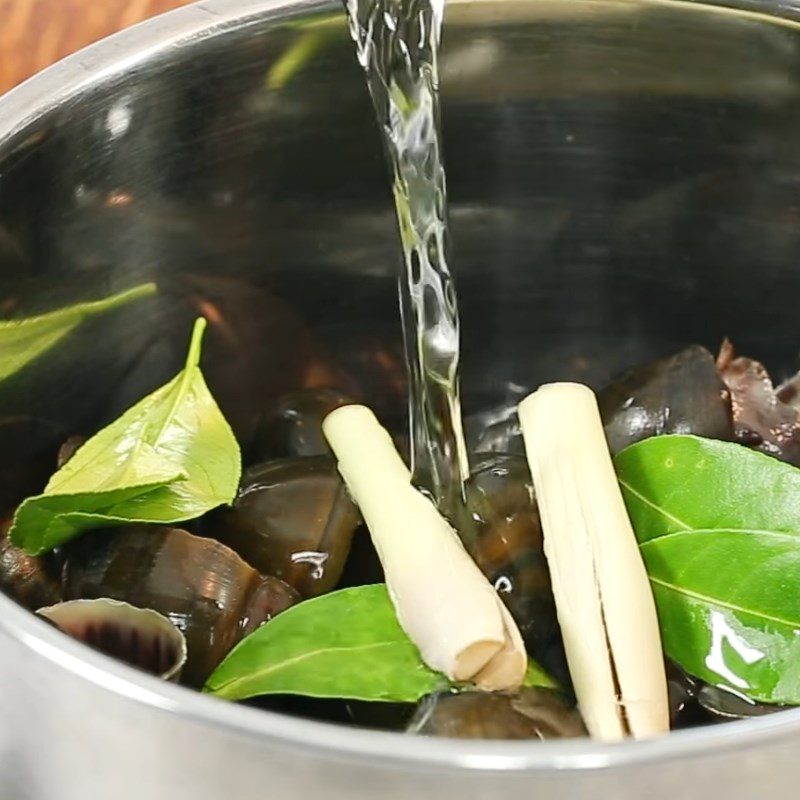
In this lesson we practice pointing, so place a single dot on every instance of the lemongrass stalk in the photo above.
(603, 598)
(443, 602)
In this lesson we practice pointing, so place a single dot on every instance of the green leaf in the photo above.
(675, 483)
(346, 644)
(719, 530)
(729, 608)
(22, 341)
(536, 676)
(170, 458)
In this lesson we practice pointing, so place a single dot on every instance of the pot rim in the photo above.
(54, 88)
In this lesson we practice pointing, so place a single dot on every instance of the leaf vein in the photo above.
(289, 662)
(722, 603)
(654, 506)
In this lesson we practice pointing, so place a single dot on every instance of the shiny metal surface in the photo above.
(624, 180)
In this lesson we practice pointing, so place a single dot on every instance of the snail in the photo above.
(211, 595)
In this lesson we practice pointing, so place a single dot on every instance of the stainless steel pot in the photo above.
(625, 179)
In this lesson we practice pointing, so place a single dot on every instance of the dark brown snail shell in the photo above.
(293, 425)
(682, 691)
(32, 445)
(293, 519)
(682, 393)
(722, 704)
(33, 581)
(363, 566)
(495, 430)
(503, 533)
(69, 448)
(211, 595)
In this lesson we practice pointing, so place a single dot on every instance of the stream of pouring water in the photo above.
(397, 43)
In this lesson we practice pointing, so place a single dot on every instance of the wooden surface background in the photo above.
(35, 33)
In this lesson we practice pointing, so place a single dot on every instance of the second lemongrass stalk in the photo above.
(442, 600)
(603, 599)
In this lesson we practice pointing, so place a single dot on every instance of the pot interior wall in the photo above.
(625, 179)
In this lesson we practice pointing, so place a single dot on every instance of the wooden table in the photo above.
(35, 33)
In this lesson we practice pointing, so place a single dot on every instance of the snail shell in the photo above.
(213, 597)
(140, 637)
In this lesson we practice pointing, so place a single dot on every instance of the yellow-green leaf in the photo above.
(169, 458)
